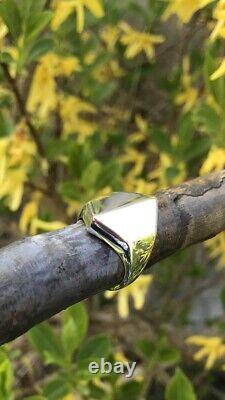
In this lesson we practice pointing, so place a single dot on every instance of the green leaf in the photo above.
(38, 24)
(180, 388)
(35, 398)
(200, 148)
(90, 175)
(145, 348)
(10, 14)
(162, 140)
(82, 370)
(56, 389)
(39, 48)
(69, 190)
(29, 7)
(6, 125)
(169, 355)
(216, 88)
(98, 346)
(6, 377)
(205, 117)
(185, 130)
(130, 391)
(6, 58)
(74, 329)
(79, 158)
(110, 175)
(47, 344)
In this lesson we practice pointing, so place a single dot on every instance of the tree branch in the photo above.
(43, 274)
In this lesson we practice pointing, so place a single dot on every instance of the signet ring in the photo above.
(128, 223)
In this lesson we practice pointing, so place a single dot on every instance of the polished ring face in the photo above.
(128, 223)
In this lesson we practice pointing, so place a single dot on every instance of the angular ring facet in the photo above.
(128, 223)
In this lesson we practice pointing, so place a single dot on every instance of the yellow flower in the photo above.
(108, 71)
(184, 9)
(211, 101)
(138, 185)
(189, 95)
(3, 33)
(215, 161)
(187, 98)
(136, 41)
(38, 224)
(142, 130)
(119, 356)
(16, 156)
(63, 8)
(90, 57)
(220, 71)
(3, 158)
(212, 348)
(29, 213)
(219, 15)
(110, 35)
(13, 187)
(71, 109)
(43, 93)
(216, 247)
(70, 396)
(137, 290)
(160, 174)
(136, 158)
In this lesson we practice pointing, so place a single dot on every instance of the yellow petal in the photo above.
(219, 72)
(123, 303)
(29, 212)
(38, 224)
(80, 17)
(62, 11)
(95, 7)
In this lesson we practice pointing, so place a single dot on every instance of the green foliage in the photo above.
(10, 13)
(66, 351)
(158, 352)
(180, 388)
(6, 377)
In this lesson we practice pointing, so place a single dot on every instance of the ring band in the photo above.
(128, 223)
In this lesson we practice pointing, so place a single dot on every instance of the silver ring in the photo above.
(128, 223)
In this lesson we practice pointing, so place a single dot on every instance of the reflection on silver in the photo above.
(128, 223)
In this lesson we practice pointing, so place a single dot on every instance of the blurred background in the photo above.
(99, 96)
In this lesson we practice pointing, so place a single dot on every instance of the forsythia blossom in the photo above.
(212, 348)
(71, 108)
(16, 156)
(137, 290)
(63, 8)
(219, 16)
(29, 221)
(136, 41)
(184, 9)
(110, 35)
(43, 93)
(189, 95)
(216, 247)
(215, 161)
(3, 32)
(161, 173)
(220, 71)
